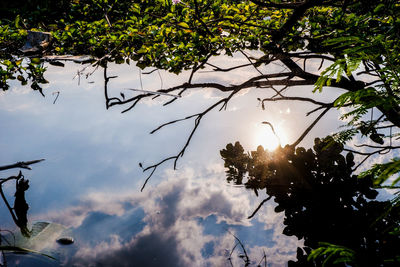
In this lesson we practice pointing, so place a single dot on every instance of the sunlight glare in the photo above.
(264, 136)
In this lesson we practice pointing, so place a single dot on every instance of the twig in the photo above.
(153, 92)
(174, 121)
(198, 117)
(246, 260)
(379, 147)
(15, 219)
(108, 21)
(380, 150)
(298, 98)
(21, 164)
(58, 93)
(216, 68)
(247, 57)
(263, 258)
(259, 207)
(273, 130)
(310, 127)
(230, 254)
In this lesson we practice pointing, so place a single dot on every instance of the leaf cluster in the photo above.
(333, 254)
(323, 201)
(31, 70)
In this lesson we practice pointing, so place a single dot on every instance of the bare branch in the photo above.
(15, 219)
(246, 260)
(310, 56)
(247, 57)
(380, 150)
(174, 121)
(379, 147)
(153, 92)
(198, 117)
(253, 82)
(150, 72)
(264, 258)
(21, 164)
(216, 68)
(273, 130)
(230, 254)
(298, 98)
(310, 127)
(259, 207)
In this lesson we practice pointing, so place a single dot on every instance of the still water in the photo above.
(88, 187)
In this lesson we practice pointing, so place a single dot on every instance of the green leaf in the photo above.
(17, 20)
(378, 8)
(382, 172)
(35, 60)
(183, 24)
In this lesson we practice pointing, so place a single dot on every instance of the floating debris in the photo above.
(67, 240)
(56, 63)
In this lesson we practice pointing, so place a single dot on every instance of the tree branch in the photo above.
(298, 98)
(198, 117)
(15, 219)
(310, 127)
(21, 164)
(259, 207)
(246, 260)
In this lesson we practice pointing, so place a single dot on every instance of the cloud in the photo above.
(167, 224)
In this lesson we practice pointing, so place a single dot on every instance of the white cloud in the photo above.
(171, 228)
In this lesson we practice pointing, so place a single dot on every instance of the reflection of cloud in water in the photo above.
(183, 221)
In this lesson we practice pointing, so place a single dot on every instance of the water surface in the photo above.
(90, 181)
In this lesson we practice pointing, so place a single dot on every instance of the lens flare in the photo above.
(264, 136)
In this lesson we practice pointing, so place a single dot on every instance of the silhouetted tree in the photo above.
(19, 211)
(323, 201)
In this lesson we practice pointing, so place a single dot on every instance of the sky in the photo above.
(90, 180)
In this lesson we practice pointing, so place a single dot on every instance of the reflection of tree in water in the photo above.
(19, 211)
(322, 200)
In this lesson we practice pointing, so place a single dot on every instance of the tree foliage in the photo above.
(325, 204)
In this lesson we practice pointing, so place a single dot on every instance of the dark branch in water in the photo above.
(21, 164)
(273, 130)
(154, 93)
(245, 257)
(57, 94)
(197, 121)
(259, 207)
(20, 210)
(298, 98)
(310, 127)
(15, 219)
(264, 258)
(377, 150)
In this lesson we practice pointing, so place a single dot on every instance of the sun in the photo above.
(263, 135)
